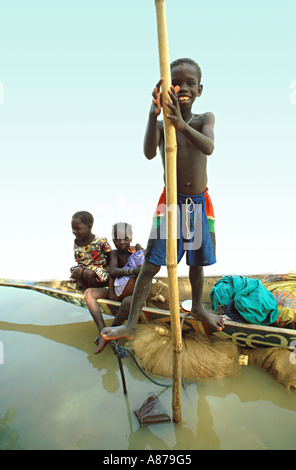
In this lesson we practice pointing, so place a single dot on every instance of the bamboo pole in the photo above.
(171, 206)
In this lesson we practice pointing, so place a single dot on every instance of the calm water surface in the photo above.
(56, 394)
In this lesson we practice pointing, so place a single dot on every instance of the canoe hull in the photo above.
(244, 335)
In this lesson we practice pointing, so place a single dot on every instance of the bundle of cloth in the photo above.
(283, 288)
(244, 299)
(135, 260)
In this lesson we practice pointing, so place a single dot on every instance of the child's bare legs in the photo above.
(121, 315)
(91, 295)
(85, 276)
(90, 278)
(123, 311)
(77, 274)
(141, 292)
(196, 276)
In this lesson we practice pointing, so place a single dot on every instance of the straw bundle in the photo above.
(279, 363)
(203, 357)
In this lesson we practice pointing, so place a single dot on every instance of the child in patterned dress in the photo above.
(91, 253)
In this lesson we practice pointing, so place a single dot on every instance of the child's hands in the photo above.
(157, 102)
(176, 116)
(157, 96)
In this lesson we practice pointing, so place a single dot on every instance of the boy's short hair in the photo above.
(84, 216)
(122, 230)
(188, 61)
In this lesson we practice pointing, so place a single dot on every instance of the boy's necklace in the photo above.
(190, 119)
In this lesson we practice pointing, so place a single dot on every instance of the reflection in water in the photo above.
(77, 335)
(70, 398)
(205, 431)
(9, 438)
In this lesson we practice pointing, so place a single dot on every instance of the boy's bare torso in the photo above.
(191, 162)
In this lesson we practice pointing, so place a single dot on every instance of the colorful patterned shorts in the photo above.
(195, 231)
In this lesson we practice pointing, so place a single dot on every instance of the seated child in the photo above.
(125, 264)
(91, 253)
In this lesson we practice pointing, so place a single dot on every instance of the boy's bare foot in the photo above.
(102, 343)
(213, 320)
(116, 332)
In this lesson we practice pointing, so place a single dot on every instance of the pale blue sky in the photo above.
(75, 90)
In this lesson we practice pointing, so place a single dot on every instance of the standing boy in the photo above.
(195, 141)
